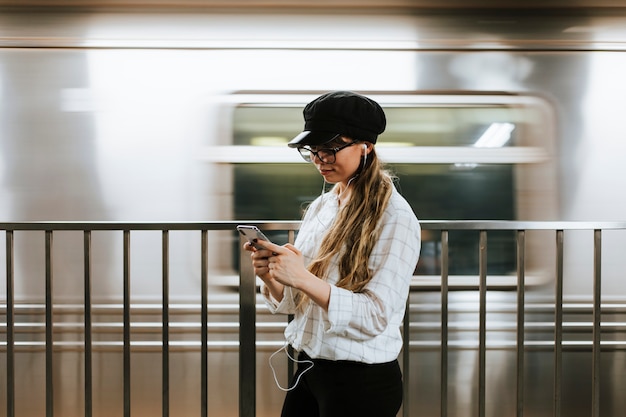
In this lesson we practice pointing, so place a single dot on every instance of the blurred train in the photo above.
(184, 116)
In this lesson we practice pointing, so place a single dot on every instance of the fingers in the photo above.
(292, 248)
(257, 246)
(261, 254)
(274, 248)
(260, 265)
(271, 262)
(252, 246)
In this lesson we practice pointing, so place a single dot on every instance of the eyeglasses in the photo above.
(326, 155)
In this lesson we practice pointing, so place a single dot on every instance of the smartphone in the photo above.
(252, 232)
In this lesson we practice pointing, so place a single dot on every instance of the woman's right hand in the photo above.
(260, 263)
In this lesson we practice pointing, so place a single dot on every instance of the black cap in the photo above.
(340, 113)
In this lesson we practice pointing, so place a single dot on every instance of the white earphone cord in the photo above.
(311, 364)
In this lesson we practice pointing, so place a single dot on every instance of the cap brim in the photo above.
(312, 138)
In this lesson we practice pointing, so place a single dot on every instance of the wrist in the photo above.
(273, 289)
(317, 289)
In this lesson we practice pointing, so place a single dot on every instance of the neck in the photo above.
(344, 191)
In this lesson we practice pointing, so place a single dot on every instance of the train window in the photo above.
(456, 158)
(292, 184)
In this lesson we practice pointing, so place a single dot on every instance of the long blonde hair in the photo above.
(355, 231)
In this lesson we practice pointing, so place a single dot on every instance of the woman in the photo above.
(346, 279)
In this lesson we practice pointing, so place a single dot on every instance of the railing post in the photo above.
(521, 291)
(165, 328)
(87, 317)
(444, 323)
(204, 336)
(597, 315)
(291, 237)
(126, 354)
(247, 337)
(49, 328)
(10, 326)
(558, 324)
(482, 332)
(406, 331)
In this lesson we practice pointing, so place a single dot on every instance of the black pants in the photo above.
(345, 389)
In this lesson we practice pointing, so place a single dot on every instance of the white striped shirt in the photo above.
(364, 326)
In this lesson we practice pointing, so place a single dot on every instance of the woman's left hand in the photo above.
(286, 265)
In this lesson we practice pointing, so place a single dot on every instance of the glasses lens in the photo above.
(306, 154)
(327, 156)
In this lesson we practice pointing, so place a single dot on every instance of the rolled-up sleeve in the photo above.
(285, 306)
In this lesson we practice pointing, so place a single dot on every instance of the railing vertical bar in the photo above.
(482, 323)
(10, 326)
(247, 337)
(444, 322)
(558, 325)
(165, 328)
(49, 330)
(597, 315)
(406, 332)
(88, 321)
(126, 336)
(204, 277)
(291, 236)
(521, 293)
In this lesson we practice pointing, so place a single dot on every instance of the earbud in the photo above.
(364, 155)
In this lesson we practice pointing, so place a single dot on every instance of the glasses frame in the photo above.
(331, 158)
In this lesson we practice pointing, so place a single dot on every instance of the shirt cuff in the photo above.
(339, 310)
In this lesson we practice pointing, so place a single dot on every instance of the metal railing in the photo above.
(247, 345)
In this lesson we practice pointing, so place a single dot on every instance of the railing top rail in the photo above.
(294, 225)
(146, 225)
(520, 225)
